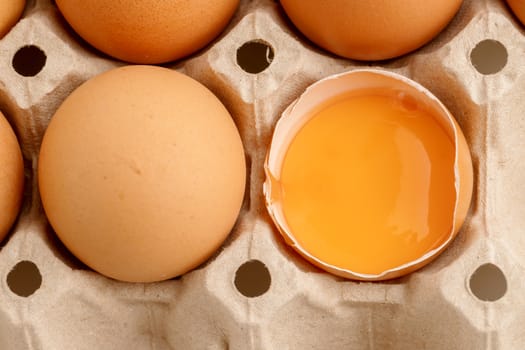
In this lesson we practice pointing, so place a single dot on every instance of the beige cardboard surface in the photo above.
(302, 307)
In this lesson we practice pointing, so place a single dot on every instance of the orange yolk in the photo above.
(367, 184)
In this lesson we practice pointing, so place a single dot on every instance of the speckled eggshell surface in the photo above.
(148, 31)
(373, 29)
(142, 173)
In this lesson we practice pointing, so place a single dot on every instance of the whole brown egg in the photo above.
(148, 31)
(371, 29)
(142, 173)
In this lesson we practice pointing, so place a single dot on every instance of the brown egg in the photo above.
(518, 7)
(11, 177)
(372, 29)
(148, 31)
(10, 12)
(142, 173)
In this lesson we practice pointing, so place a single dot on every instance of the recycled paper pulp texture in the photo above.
(304, 308)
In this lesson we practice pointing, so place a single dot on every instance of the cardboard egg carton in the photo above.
(257, 293)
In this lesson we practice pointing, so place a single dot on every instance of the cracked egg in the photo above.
(369, 176)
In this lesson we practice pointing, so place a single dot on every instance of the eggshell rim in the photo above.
(276, 213)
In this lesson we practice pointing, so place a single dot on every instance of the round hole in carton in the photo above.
(252, 279)
(489, 56)
(24, 279)
(488, 283)
(29, 60)
(255, 56)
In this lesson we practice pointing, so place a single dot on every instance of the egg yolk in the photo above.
(367, 183)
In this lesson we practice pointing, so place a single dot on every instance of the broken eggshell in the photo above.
(312, 101)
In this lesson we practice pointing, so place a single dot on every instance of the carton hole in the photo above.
(24, 279)
(253, 279)
(489, 56)
(29, 60)
(255, 56)
(488, 283)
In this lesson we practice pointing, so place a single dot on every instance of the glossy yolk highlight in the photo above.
(368, 184)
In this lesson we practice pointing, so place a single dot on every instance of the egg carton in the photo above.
(256, 292)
